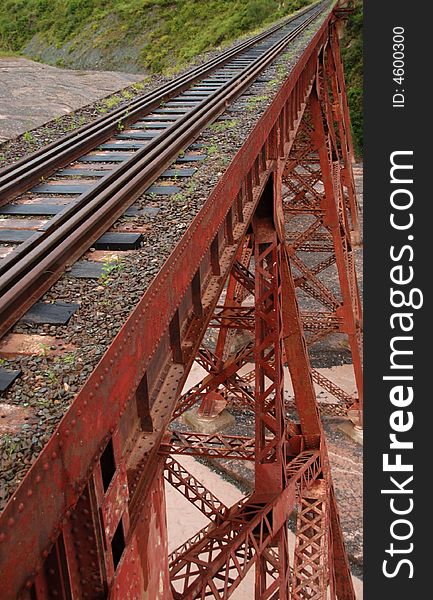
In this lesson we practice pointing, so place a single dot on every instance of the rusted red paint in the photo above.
(130, 397)
(115, 503)
(13, 417)
(18, 344)
(144, 566)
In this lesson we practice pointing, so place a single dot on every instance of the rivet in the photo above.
(45, 466)
(20, 507)
(11, 522)
(101, 378)
(45, 553)
(67, 432)
(2, 537)
(96, 386)
(38, 479)
(54, 455)
(29, 584)
(29, 493)
(60, 444)
(73, 422)
(79, 413)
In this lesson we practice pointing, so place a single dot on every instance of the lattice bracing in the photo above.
(322, 221)
(281, 219)
(193, 490)
(310, 568)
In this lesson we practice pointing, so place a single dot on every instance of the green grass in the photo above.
(112, 267)
(8, 53)
(352, 51)
(28, 137)
(178, 30)
(211, 150)
(254, 101)
(169, 33)
(112, 101)
(223, 125)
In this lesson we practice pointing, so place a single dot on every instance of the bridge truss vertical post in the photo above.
(105, 533)
(272, 567)
(268, 354)
(310, 569)
(319, 216)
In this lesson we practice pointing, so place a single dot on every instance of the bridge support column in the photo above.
(320, 210)
(103, 534)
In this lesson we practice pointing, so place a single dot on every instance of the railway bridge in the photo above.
(229, 252)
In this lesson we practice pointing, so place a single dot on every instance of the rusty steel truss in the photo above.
(88, 520)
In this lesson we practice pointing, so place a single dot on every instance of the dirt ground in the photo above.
(46, 92)
(346, 457)
(184, 520)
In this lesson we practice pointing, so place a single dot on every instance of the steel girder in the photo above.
(102, 533)
(322, 219)
(193, 490)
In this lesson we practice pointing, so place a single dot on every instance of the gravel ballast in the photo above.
(51, 380)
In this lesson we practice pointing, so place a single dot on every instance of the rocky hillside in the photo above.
(137, 35)
(353, 67)
(150, 36)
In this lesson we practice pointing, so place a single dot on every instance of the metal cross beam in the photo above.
(193, 490)
(319, 178)
(214, 445)
(104, 531)
(220, 560)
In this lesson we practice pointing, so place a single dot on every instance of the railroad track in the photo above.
(111, 400)
(113, 161)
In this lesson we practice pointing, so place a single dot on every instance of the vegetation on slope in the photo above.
(353, 69)
(177, 29)
(154, 35)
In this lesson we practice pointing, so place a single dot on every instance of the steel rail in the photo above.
(23, 250)
(106, 396)
(41, 260)
(20, 176)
